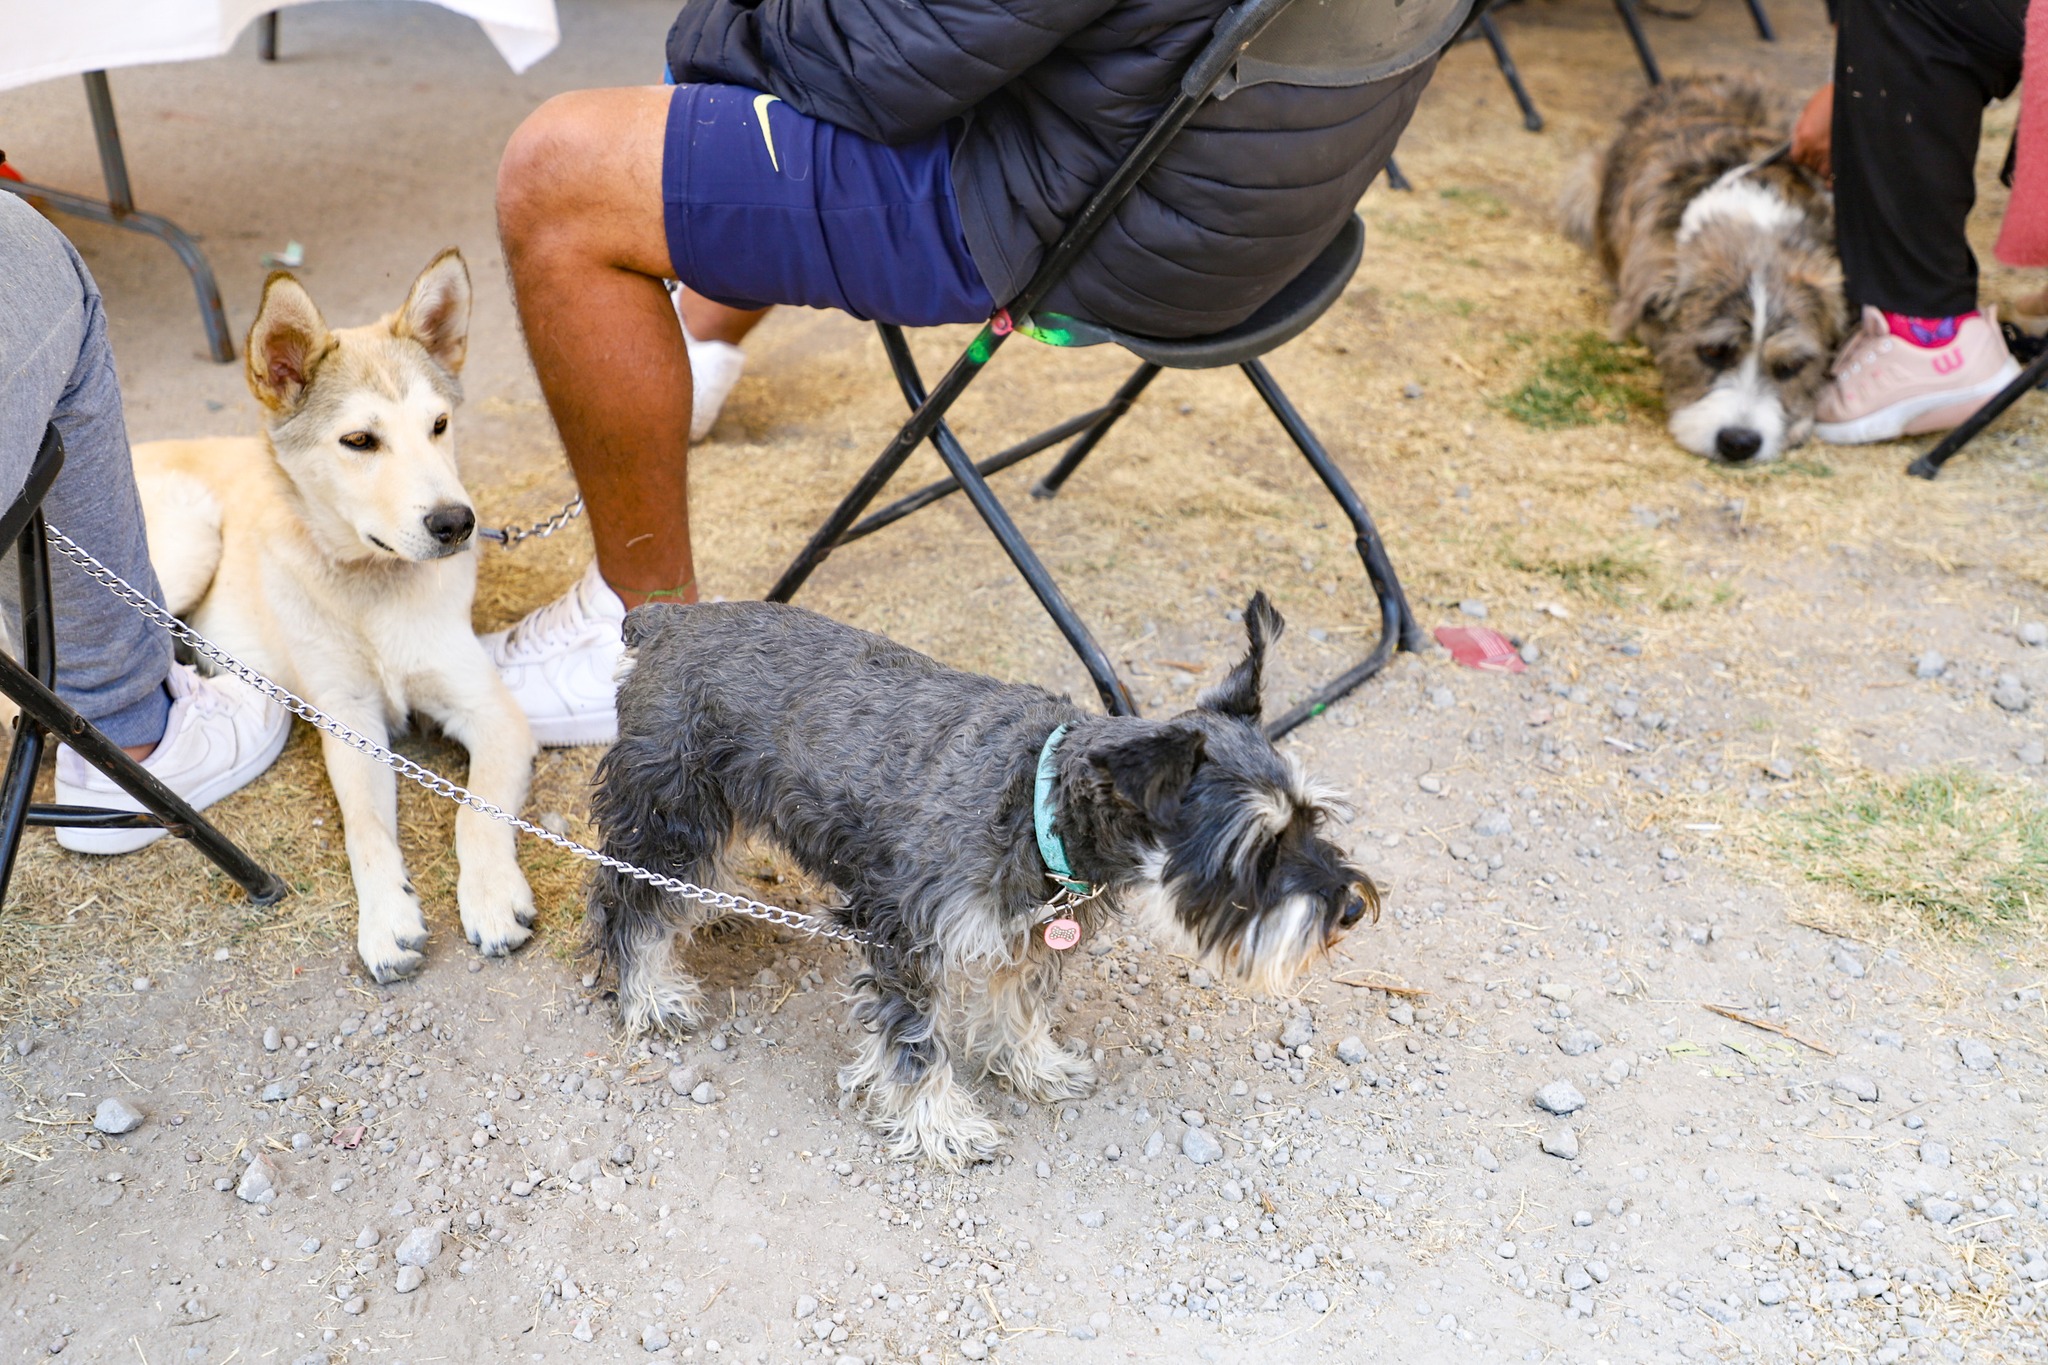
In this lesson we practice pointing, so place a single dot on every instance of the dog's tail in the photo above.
(1579, 203)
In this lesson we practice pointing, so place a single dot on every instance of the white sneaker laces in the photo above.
(544, 630)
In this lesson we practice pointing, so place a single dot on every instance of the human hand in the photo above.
(1813, 134)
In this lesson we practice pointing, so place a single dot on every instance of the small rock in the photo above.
(1770, 1293)
(278, 1091)
(2032, 753)
(1554, 990)
(1577, 1042)
(1506, 1251)
(1930, 665)
(1297, 1030)
(1493, 824)
(974, 1348)
(1400, 1012)
(354, 1306)
(1560, 1098)
(554, 822)
(1976, 1054)
(1848, 964)
(1861, 1088)
(1941, 1211)
(2033, 635)
(1781, 768)
(258, 1184)
(1411, 390)
(2010, 694)
(1474, 609)
(420, 1247)
(310, 1247)
(684, 1079)
(1933, 1153)
(1089, 1218)
(1351, 1051)
(1232, 1192)
(1430, 783)
(1199, 1147)
(653, 1337)
(703, 1094)
(368, 1238)
(410, 1277)
(116, 1116)
(1483, 1154)
(581, 1331)
(805, 1306)
(1562, 1143)
(1155, 1144)
(272, 1039)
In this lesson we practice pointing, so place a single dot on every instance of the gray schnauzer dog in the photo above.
(941, 805)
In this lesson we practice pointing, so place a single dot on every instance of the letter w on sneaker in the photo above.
(1885, 386)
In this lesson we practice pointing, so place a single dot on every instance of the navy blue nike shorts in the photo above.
(765, 205)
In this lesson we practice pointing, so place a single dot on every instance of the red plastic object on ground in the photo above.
(7, 171)
(1482, 648)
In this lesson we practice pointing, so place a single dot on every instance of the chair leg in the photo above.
(1070, 460)
(1929, 465)
(1397, 181)
(42, 709)
(930, 410)
(1634, 23)
(1531, 120)
(266, 37)
(1763, 21)
(1398, 626)
(1115, 696)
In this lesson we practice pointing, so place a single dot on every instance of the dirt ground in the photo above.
(1730, 778)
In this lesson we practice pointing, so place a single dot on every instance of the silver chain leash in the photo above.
(510, 536)
(426, 777)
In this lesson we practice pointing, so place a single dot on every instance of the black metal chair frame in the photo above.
(30, 682)
(1297, 306)
(2031, 377)
(118, 210)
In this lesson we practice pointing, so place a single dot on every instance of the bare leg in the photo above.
(710, 321)
(580, 214)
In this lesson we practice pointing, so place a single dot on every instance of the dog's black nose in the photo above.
(1738, 443)
(450, 524)
(1354, 911)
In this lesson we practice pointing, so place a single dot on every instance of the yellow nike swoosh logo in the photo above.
(761, 103)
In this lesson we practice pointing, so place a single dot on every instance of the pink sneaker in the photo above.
(1885, 388)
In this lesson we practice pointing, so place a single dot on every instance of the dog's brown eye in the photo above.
(1718, 357)
(360, 440)
(1785, 371)
(441, 424)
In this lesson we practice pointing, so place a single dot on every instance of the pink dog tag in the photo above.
(1062, 934)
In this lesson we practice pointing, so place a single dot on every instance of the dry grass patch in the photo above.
(1953, 850)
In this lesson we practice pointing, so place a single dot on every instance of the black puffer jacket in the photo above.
(1054, 93)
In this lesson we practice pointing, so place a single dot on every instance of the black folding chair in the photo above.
(29, 683)
(2033, 376)
(1321, 42)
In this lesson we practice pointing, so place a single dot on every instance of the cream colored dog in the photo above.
(334, 554)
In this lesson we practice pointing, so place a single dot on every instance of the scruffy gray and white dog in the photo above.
(910, 788)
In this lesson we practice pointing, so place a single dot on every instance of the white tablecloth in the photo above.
(41, 40)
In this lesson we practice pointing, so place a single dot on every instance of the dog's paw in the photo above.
(390, 931)
(1040, 1070)
(497, 907)
(669, 1005)
(935, 1119)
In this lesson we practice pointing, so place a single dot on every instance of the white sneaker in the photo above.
(221, 735)
(715, 367)
(562, 662)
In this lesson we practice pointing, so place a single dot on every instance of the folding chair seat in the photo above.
(1324, 42)
(29, 682)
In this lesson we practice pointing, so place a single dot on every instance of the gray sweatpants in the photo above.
(56, 366)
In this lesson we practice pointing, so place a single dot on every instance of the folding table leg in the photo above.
(1634, 24)
(1489, 30)
(1070, 459)
(1398, 626)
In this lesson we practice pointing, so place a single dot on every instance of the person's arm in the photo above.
(891, 70)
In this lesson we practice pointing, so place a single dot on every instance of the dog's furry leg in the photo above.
(390, 930)
(912, 1097)
(1007, 1029)
(473, 707)
(669, 816)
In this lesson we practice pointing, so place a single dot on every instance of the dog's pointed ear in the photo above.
(1241, 694)
(436, 312)
(1151, 770)
(286, 344)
